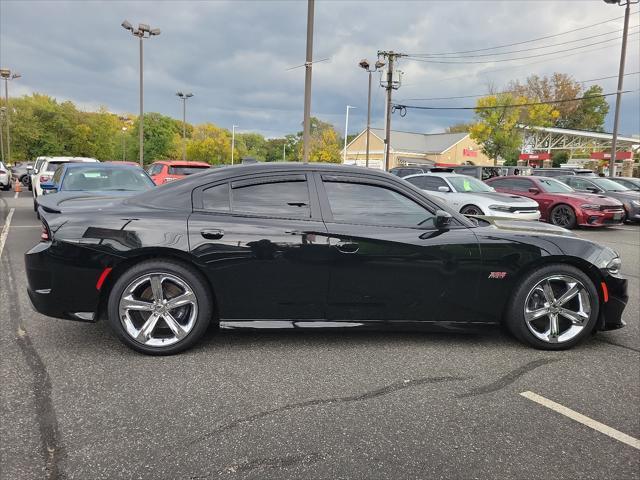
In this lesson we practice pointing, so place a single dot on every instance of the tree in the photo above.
(495, 127)
(324, 144)
(558, 158)
(251, 144)
(460, 128)
(210, 144)
(591, 112)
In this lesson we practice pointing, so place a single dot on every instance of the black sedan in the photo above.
(304, 245)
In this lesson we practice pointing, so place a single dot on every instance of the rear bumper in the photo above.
(611, 311)
(597, 218)
(62, 281)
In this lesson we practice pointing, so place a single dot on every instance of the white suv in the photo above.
(5, 177)
(470, 196)
(47, 169)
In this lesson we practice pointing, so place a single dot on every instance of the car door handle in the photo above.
(212, 234)
(347, 247)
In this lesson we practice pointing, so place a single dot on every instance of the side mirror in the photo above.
(443, 219)
(48, 187)
(593, 190)
(444, 189)
(534, 190)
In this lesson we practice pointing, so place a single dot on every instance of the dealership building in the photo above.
(415, 149)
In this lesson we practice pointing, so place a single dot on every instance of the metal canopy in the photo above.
(546, 139)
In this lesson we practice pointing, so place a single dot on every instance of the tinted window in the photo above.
(490, 172)
(58, 175)
(352, 203)
(427, 182)
(464, 183)
(554, 186)
(467, 171)
(52, 166)
(186, 170)
(275, 198)
(216, 198)
(518, 184)
(609, 185)
(103, 179)
(155, 169)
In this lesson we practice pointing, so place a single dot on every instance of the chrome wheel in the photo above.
(557, 308)
(562, 216)
(158, 309)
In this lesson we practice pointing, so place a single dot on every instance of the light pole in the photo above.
(306, 124)
(233, 140)
(143, 31)
(623, 53)
(124, 155)
(365, 65)
(346, 128)
(2, 109)
(184, 97)
(6, 75)
(284, 151)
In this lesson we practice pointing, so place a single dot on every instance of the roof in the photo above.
(101, 165)
(434, 143)
(179, 163)
(583, 133)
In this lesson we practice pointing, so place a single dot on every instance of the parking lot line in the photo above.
(16, 195)
(5, 230)
(578, 417)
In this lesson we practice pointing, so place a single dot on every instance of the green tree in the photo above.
(462, 127)
(210, 144)
(591, 112)
(159, 133)
(324, 144)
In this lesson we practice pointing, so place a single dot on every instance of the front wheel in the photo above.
(554, 308)
(563, 216)
(471, 210)
(160, 307)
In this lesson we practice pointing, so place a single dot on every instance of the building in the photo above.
(415, 149)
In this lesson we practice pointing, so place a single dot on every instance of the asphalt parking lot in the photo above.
(76, 403)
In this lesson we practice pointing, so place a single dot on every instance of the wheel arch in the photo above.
(471, 205)
(151, 254)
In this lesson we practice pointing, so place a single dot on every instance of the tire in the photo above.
(471, 210)
(24, 180)
(35, 206)
(530, 297)
(175, 279)
(563, 216)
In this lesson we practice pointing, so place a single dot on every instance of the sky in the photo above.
(235, 56)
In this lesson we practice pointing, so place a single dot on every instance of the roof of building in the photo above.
(435, 143)
(583, 134)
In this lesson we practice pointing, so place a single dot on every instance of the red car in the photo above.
(561, 204)
(166, 171)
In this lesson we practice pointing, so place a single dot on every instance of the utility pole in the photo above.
(623, 53)
(233, 141)
(365, 65)
(346, 131)
(140, 33)
(306, 130)
(184, 97)
(391, 57)
(6, 75)
(284, 151)
(1, 134)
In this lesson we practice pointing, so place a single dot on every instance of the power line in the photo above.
(428, 56)
(500, 60)
(403, 108)
(506, 91)
(527, 41)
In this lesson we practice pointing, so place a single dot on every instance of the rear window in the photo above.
(52, 166)
(186, 170)
(106, 179)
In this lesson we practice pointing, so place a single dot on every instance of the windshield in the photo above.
(106, 179)
(469, 184)
(178, 170)
(609, 185)
(554, 186)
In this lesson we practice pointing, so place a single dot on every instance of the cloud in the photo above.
(234, 56)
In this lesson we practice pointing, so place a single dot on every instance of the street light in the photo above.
(623, 53)
(364, 64)
(143, 31)
(6, 75)
(184, 97)
(346, 128)
(124, 155)
(233, 140)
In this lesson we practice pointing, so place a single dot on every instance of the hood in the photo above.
(589, 197)
(624, 196)
(77, 201)
(523, 226)
(507, 198)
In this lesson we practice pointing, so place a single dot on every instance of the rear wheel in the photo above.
(160, 307)
(554, 308)
(471, 210)
(563, 216)
(24, 180)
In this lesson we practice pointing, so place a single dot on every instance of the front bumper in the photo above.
(600, 218)
(633, 213)
(531, 216)
(613, 307)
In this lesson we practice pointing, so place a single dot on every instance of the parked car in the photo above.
(516, 170)
(631, 183)
(559, 172)
(5, 177)
(606, 186)
(478, 171)
(406, 171)
(47, 169)
(34, 171)
(21, 171)
(309, 245)
(470, 196)
(166, 171)
(561, 204)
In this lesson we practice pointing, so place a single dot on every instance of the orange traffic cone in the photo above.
(17, 186)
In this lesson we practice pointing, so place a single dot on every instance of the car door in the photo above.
(260, 241)
(388, 262)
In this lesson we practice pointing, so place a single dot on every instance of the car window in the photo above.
(518, 184)
(352, 202)
(58, 175)
(608, 185)
(217, 198)
(280, 198)
(464, 183)
(427, 182)
(52, 166)
(578, 183)
(97, 178)
(554, 186)
(490, 172)
(186, 169)
(155, 169)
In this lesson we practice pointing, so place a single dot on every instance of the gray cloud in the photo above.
(234, 55)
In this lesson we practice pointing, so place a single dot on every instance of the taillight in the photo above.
(45, 235)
